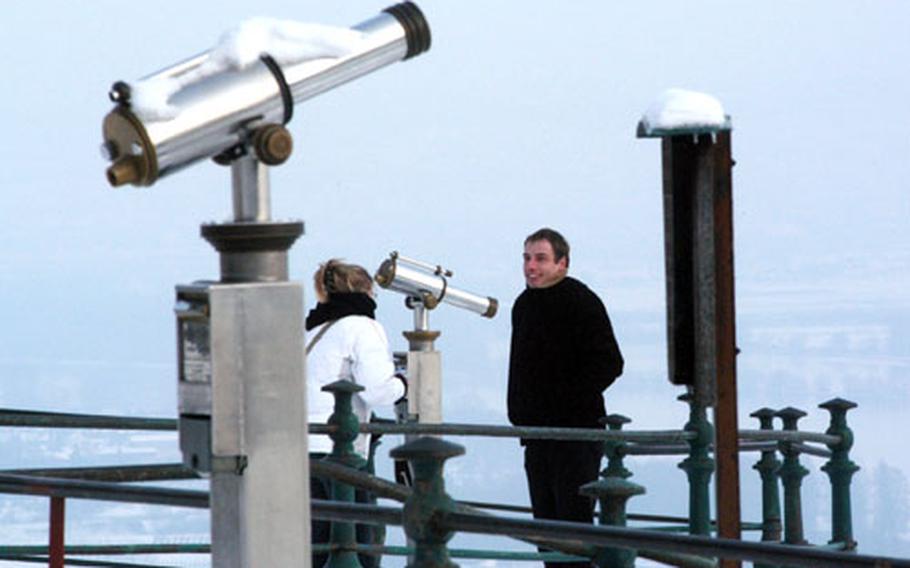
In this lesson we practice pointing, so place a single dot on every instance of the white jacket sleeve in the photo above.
(373, 369)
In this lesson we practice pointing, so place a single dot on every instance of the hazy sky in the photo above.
(522, 114)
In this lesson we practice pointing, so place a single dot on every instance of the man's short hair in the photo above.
(557, 241)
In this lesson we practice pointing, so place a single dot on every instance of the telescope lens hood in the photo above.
(416, 28)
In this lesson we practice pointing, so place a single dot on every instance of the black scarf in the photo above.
(339, 306)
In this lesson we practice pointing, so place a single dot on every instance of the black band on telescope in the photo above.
(286, 98)
(445, 286)
(416, 28)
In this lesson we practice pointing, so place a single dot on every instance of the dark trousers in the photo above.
(555, 470)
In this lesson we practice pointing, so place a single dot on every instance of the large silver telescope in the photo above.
(429, 285)
(220, 112)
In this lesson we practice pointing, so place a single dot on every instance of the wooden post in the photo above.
(726, 427)
(57, 525)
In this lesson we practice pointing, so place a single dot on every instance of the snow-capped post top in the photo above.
(678, 111)
(286, 41)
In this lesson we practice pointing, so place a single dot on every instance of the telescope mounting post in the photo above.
(247, 426)
(250, 190)
(424, 367)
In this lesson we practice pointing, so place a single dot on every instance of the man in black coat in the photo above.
(563, 356)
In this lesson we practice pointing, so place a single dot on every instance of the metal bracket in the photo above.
(229, 464)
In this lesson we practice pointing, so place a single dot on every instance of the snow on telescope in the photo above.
(429, 285)
(212, 103)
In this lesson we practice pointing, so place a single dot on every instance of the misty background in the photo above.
(521, 115)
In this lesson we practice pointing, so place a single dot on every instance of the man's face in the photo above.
(540, 266)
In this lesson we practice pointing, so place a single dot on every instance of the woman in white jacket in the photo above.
(345, 342)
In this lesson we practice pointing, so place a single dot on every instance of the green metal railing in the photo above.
(430, 516)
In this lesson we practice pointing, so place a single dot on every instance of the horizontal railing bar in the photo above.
(668, 528)
(574, 533)
(654, 450)
(677, 559)
(646, 542)
(835, 546)
(121, 473)
(745, 527)
(77, 562)
(100, 491)
(176, 471)
(497, 507)
(529, 432)
(110, 549)
(456, 553)
(813, 450)
(682, 449)
(380, 487)
(656, 518)
(36, 419)
(744, 446)
(340, 511)
(789, 436)
(640, 517)
(21, 552)
(643, 539)
(32, 418)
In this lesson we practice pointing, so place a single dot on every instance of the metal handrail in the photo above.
(527, 432)
(600, 535)
(38, 419)
(38, 559)
(101, 491)
(116, 473)
(789, 436)
(110, 549)
(744, 446)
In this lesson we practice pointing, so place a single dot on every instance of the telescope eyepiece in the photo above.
(416, 28)
(123, 171)
(491, 311)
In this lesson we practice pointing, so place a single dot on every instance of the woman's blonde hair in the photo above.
(337, 277)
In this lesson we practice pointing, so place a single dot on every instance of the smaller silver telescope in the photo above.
(429, 285)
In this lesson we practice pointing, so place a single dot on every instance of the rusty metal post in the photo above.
(725, 412)
(56, 546)
(701, 330)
